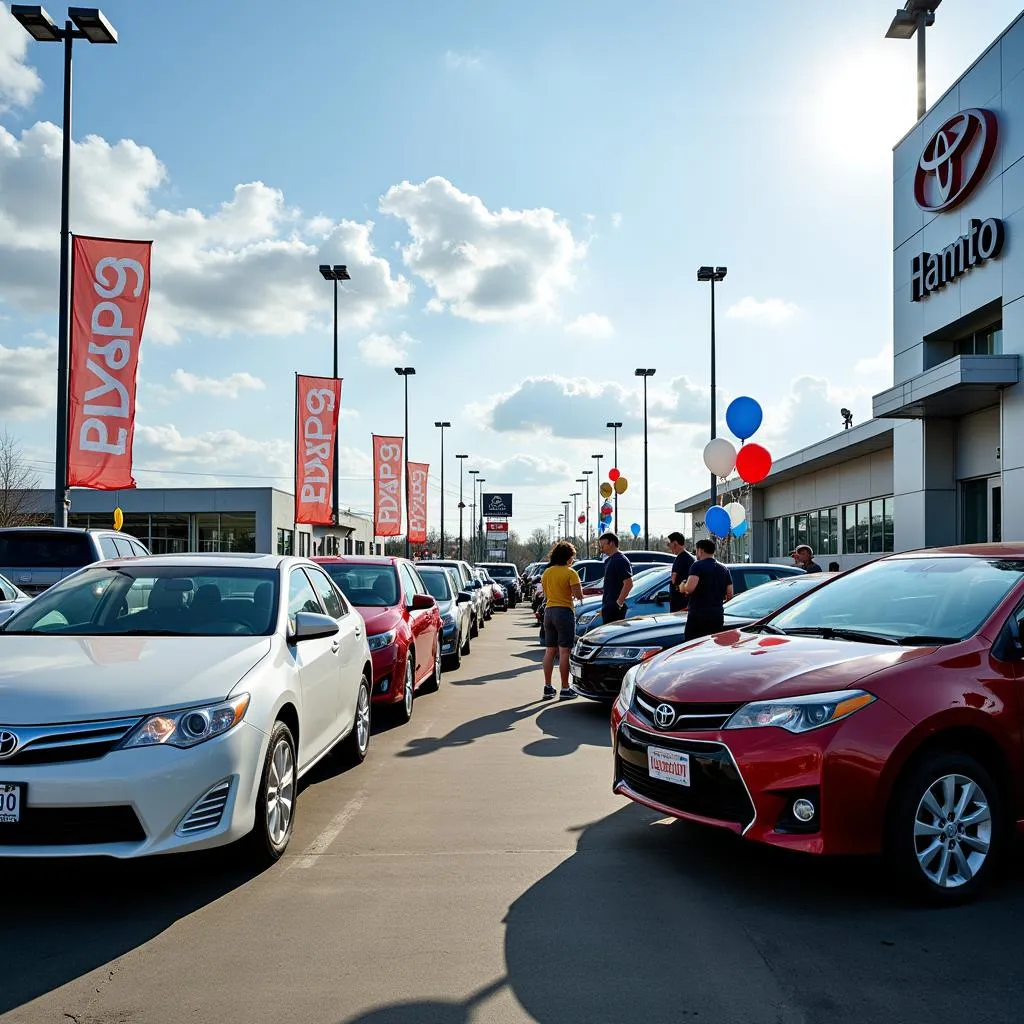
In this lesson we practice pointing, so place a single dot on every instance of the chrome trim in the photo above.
(679, 714)
(71, 734)
(707, 743)
(208, 811)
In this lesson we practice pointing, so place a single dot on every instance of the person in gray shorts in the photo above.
(561, 584)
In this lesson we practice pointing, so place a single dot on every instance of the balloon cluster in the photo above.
(615, 484)
(752, 462)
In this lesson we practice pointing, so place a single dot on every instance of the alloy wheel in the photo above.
(952, 831)
(363, 719)
(410, 687)
(280, 792)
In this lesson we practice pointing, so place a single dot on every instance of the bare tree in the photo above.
(17, 482)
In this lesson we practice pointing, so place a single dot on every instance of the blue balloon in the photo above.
(635, 529)
(738, 531)
(716, 519)
(744, 417)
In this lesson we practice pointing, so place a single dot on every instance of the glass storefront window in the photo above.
(208, 531)
(238, 531)
(813, 534)
(284, 541)
(360, 547)
(304, 545)
(787, 535)
(833, 531)
(975, 511)
(887, 528)
(849, 529)
(863, 527)
(169, 533)
(801, 530)
(877, 526)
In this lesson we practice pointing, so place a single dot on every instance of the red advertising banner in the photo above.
(317, 407)
(418, 474)
(109, 300)
(387, 486)
(499, 526)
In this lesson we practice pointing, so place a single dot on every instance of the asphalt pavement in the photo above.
(477, 868)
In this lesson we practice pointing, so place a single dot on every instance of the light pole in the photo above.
(82, 23)
(565, 518)
(713, 275)
(914, 17)
(575, 512)
(462, 504)
(336, 273)
(479, 527)
(645, 373)
(587, 474)
(615, 427)
(406, 372)
(443, 425)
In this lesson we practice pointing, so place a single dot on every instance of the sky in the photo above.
(522, 194)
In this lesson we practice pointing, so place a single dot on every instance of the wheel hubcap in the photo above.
(280, 792)
(952, 831)
(363, 719)
(408, 690)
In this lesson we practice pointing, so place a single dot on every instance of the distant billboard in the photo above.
(497, 504)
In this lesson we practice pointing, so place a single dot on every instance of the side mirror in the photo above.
(663, 597)
(464, 598)
(313, 626)
(1009, 646)
(422, 602)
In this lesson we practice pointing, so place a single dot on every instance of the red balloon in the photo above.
(582, 518)
(753, 463)
(613, 475)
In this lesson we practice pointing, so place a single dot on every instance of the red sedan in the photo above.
(879, 714)
(403, 625)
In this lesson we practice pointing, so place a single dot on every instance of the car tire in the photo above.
(944, 839)
(474, 628)
(466, 647)
(404, 708)
(356, 745)
(268, 840)
(433, 682)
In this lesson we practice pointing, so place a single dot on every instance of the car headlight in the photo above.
(587, 617)
(189, 727)
(629, 686)
(627, 653)
(801, 714)
(448, 620)
(382, 640)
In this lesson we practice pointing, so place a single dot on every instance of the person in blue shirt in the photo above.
(708, 587)
(618, 579)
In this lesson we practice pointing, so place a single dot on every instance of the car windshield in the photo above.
(922, 600)
(366, 586)
(651, 580)
(770, 597)
(155, 600)
(436, 582)
(505, 572)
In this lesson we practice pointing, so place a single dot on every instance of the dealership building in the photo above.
(942, 462)
(178, 519)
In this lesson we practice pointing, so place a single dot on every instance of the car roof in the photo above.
(973, 550)
(358, 559)
(61, 529)
(194, 559)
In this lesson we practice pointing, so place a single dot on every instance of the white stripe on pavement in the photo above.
(334, 828)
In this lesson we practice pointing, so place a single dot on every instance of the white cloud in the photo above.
(385, 350)
(28, 384)
(616, 220)
(879, 365)
(456, 61)
(18, 81)
(595, 326)
(225, 387)
(523, 470)
(768, 311)
(247, 266)
(483, 265)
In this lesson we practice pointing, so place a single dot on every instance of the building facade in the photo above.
(260, 519)
(943, 460)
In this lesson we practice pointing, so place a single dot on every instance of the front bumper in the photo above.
(746, 780)
(597, 680)
(450, 641)
(130, 803)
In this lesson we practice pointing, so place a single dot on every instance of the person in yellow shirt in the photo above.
(561, 585)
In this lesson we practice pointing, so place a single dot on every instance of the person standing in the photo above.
(677, 600)
(618, 579)
(561, 584)
(803, 558)
(709, 587)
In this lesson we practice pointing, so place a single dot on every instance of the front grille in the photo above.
(73, 826)
(601, 680)
(688, 717)
(584, 651)
(716, 790)
(57, 744)
(208, 811)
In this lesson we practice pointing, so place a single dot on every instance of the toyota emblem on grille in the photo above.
(8, 743)
(664, 715)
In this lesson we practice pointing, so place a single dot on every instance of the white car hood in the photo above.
(51, 679)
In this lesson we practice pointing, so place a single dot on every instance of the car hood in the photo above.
(588, 604)
(734, 666)
(49, 679)
(641, 627)
(380, 620)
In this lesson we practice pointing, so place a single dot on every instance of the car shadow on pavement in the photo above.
(64, 919)
(476, 729)
(430, 1011)
(566, 728)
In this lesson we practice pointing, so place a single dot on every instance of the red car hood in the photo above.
(380, 620)
(737, 666)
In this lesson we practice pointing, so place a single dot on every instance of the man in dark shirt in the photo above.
(680, 571)
(803, 558)
(708, 586)
(618, 579)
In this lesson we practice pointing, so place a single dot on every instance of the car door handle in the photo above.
(335, 647)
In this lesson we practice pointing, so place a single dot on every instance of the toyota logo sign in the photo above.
(954, 160)
(8, 744)
(664, 715)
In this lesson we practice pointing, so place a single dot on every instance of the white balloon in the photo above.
(737, 513)
(720, 456)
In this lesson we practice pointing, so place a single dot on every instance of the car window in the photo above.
(408, 582)
(108, 549)
(43, 549)
(744, 579)
(329, 595)
(125, 548)
(437, 584)
(301, 595)
(6, 592)
(366, 586)
(760, 601)
(139, 549)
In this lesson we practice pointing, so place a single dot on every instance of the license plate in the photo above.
(668, 765)
(576, 671)
(10, 803)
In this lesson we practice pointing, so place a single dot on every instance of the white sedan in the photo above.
(167, 703)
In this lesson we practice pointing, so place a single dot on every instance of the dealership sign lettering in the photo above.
(317, 404)
(931, 271)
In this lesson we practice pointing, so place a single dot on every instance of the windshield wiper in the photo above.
(145, 632)
(924, 640)
(832, 633)
(767, 627)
